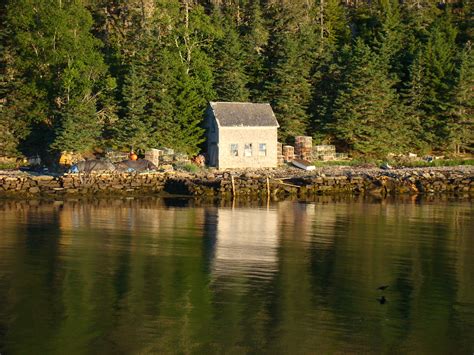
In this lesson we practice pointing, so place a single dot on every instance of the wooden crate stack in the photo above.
(280, 159)
(154, 155)
(303, 147)
(288, 153)
(324, 152)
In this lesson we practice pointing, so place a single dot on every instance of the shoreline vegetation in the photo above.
(245, 184)
(372, 78)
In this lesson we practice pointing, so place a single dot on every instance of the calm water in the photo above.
(167, 276)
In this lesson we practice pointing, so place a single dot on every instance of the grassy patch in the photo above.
(190, 168)
(439, 162)
(354, 162)
(405, 163)
(7, 166)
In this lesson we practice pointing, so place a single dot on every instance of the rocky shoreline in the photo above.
(248, 184)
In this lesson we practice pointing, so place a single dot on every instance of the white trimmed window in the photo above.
(248, 150)
(234, 150)
(262, 150)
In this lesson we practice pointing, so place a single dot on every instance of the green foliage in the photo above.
(230, 78)
(377, 77)
(78, 130)
(181, 128)
(439, 66)
(132, 129)
(8, 166)
(366, 109)
(254, 41)
(288, 86)
(289, 90)
(460, 127)
(190, 168)
(436, 163)
(58, 58)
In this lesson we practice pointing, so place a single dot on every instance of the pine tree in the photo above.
(230, 80)
(181, 81)
(289, 90)
(439, 62)
(177, 111)
(460, 126)
(412, 96)
(288, 86)
(161, 90)
(367, 114)
(56, 92)
(333, 35)
(328, 77)
(333, 27)
(189, 108)
(132, 131)
(78, 129)
(390, 39)
(255, 40)
(419, 15)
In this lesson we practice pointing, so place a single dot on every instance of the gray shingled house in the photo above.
(241, 135)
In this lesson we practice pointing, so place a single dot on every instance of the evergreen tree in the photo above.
(181, 81)
(439, 62)
(367, 115)
(133, 128)
(328, 77)
(189, 110)
(255, 40)
(78, 129)
(161, 90)
(230, 78)
(178, 110)
(333, 35)
(412, 97)
(288, 86)
(460, 127)
(333, 27)
(289, 90)
(165, 59)
(390, 40)
(419, 15)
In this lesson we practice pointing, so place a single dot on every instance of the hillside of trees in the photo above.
(372, 77)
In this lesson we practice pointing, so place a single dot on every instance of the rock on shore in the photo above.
(246, 183)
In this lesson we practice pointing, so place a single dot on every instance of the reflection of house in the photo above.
(246, 243)
(241, 135)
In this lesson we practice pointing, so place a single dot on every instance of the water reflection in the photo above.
(150, 275)
(246, 242)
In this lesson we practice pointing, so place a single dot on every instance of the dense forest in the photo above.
(372, 77)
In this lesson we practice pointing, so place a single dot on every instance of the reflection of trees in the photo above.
(31, 293)
(133, 276)
(407, 246)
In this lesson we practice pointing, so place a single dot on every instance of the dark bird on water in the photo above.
(382, 300)
(384, 287)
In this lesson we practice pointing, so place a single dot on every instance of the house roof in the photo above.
(243, 114)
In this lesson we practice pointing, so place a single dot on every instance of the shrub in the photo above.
(190, 168)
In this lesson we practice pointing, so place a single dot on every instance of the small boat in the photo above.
(303, 164)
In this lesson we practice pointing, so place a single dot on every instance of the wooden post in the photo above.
(233, 185)
(268, 193)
